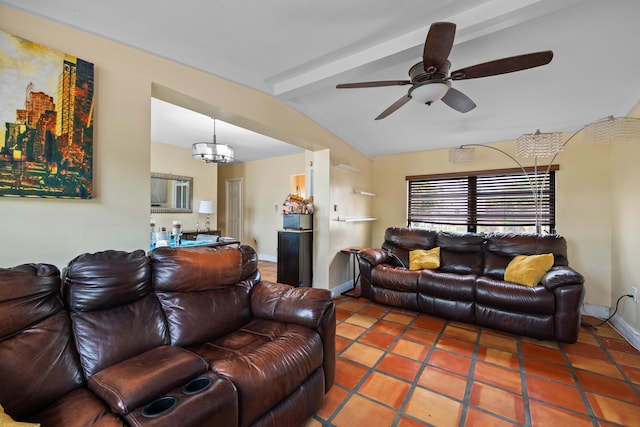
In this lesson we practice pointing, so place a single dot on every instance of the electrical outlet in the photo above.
(634, 294)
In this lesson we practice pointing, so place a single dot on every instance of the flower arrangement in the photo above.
(295, 204)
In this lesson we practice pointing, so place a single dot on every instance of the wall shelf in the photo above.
(355, 218)
(363, 193)
(346, 166)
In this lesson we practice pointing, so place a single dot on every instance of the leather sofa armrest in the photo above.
(142, 378)
(375, 256)
(561, 276)
(308, 307)
(284, 303)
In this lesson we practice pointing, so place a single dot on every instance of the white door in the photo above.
(233, 212)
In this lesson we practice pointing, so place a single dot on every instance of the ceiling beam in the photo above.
(483, 19)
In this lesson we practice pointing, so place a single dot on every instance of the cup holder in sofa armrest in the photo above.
(160, 406)
(197, 385)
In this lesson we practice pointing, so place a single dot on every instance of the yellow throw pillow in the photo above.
(7, 421)
(421, 259)
(528, 269)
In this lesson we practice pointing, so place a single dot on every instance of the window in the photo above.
(485, 201)
(181, 191)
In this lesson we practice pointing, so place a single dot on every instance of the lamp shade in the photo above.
(539, 144)
(207, 207)
(429, 91)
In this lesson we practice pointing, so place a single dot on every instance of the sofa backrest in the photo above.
(114, 313)
(400, 241)
(38, 362)
(204, 292)
(461, 253)
(502, 247)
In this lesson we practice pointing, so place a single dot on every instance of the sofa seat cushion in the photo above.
(395, 278)
(514, 297)
(78, 408)
(266, 361)
(447, 285)
(447, 295)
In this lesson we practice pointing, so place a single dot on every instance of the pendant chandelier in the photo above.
(212, 152)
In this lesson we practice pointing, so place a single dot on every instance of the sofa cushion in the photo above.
(513, 297)
(400, 241)
(395, 278)
(447, 295)
(266, 361)
(528, 269)
(421, 259)
(7, 421)
(78, 408)
(114, 313)
(202, 291)
(39, 361)
(460, 253)
(512, 244)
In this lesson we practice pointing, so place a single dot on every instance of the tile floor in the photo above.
(400, 368)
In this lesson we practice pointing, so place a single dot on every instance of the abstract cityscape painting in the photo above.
(46, 118)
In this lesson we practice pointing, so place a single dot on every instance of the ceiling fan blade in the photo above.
(373, 84)
(458, 101)
(438, 45)
(504, 65)
(393, 107)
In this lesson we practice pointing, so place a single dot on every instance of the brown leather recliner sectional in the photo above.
(179, 337)
(469, 284)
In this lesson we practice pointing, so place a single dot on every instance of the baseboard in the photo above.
(599, 311)
(621, 325)
(269, 258)
(343, 287)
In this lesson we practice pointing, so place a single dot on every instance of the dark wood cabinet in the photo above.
(295, 249)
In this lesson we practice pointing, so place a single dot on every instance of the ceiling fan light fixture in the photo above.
(429, 91)
(212, 152)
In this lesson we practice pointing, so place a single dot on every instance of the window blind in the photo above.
(504, 198)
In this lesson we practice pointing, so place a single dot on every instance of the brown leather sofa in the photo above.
(179, 337)
(469, 284)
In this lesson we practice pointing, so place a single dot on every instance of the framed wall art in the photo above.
(46, 118)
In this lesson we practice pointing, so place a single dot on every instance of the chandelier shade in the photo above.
(461, 155)
(612, 129)
(539, 144)
(212, 152)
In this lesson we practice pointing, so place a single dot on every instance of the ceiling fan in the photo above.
(430, 80)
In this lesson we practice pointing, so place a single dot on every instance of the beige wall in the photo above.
(55, 231)
(178, 161)
(266, 184)
(626, 245)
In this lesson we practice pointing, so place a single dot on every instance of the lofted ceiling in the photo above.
(298, 50)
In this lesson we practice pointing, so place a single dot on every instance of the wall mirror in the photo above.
(171, 193)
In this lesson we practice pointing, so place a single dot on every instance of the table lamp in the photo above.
(207, 207)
